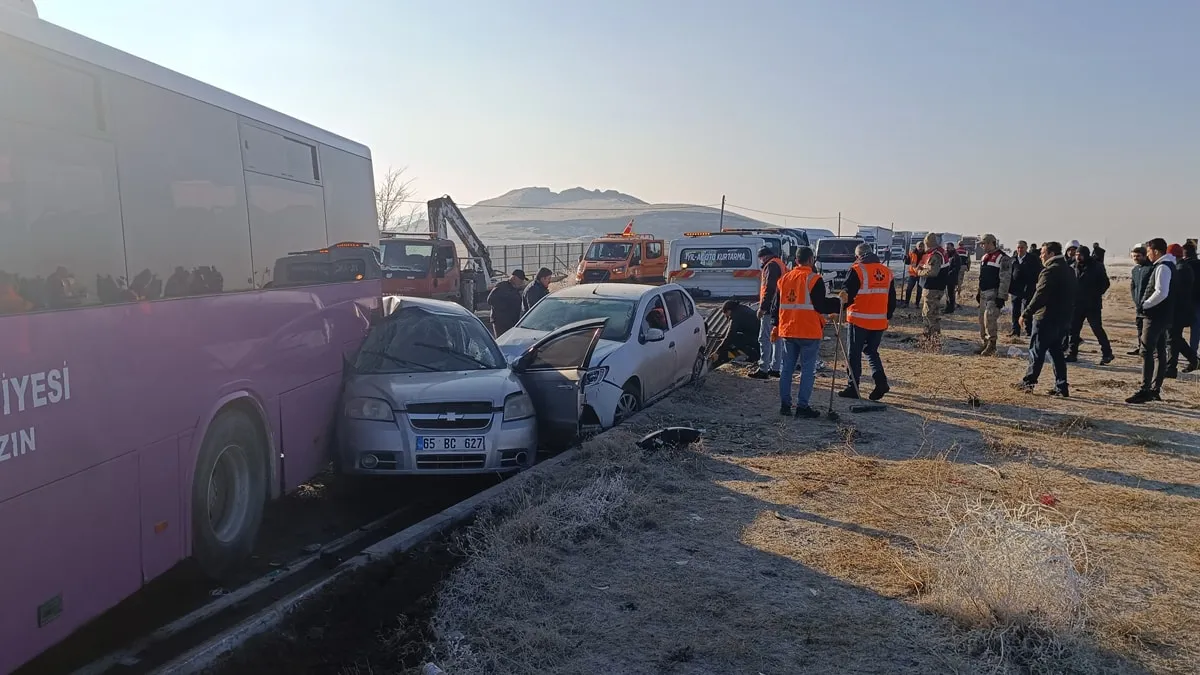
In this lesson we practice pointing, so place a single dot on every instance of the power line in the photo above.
(780, 215)
(610, 209)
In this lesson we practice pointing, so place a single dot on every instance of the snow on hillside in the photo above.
(537, 214)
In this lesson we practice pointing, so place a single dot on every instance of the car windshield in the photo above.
(413, 340)
(832, 249)
(607, 251)
(406, 256)
(553, 313)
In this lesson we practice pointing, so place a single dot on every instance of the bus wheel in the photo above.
(229, 492)
(466, 296)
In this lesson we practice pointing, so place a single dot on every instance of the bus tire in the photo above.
(466, 294)
(229, 493)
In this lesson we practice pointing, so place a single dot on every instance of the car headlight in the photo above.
(517, 406)
(618, 270)
(369, 409)
(595, 376)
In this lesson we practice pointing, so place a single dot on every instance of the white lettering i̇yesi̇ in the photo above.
(35, 390)
(26, 392)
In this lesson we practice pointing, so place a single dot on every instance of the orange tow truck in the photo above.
(624, 257)
(427, 264)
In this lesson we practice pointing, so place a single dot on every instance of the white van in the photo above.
(711, 265)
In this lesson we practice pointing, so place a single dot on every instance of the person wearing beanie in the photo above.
(1185, 312)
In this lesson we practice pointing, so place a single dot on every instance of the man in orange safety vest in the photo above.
(799, 308)
(870, 299)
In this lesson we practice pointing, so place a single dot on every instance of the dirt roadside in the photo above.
(1020, 533)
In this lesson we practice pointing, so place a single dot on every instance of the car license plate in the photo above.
(449, 443)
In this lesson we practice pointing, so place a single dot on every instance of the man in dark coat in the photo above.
(1097, 252)
(1190, 258)
(505, 301)
(743, 333)
(1185, 312)
(1026, 266)
(1139, 276)
(539, 289)
(954, 278)
(1091, 285)
(1049, 312)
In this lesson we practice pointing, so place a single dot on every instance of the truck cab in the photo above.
(427, 266)
(624, 257)
(835, 256)
(343, 262)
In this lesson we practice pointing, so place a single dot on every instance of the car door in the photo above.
(552, 370)
(687, 332)
(655, 365)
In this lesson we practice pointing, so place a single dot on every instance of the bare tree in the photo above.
(394, 202)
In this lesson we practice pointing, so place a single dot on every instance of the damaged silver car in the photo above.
(429, 392)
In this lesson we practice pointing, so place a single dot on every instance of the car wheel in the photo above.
(699, 366)
(629, 403)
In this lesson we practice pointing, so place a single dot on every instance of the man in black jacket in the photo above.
(1139, 276)
(1091, 285)
(743, 333)
(770, 351)
(539, 289)
(1190, 258)
(1158, 306)
(1185, 312)
(953, 278)
(505, 301)
(1026, 265)
(1049, 313)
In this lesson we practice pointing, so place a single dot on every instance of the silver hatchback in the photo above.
(429, 392)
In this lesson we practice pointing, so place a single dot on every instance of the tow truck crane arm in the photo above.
(445, 215)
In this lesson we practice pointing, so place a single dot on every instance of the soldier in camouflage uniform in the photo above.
(995, 276)
(933, 273)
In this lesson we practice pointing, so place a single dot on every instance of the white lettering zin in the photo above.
(18, 443)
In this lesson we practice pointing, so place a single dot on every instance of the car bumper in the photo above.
(367, 447)
(602, 398)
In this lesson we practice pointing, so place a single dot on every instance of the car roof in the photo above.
(392, 303)
(613, 291)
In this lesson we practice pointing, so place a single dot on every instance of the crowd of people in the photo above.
(1053, 290)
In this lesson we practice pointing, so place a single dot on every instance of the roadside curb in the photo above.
(207, 654)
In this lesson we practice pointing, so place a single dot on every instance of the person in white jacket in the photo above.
(1158, 306)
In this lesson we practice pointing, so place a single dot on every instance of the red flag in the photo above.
(628, 229)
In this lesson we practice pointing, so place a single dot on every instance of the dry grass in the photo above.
(1024, 534)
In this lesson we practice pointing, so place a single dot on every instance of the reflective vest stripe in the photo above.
(797, 316)
(869, 310)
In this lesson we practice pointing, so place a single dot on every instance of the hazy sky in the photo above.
(1032, 118)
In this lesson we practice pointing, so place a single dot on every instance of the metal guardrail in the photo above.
(559, 257)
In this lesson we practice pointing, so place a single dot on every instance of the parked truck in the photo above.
(624, 256)
(428, 264)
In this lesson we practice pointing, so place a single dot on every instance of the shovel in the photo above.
(857, 407)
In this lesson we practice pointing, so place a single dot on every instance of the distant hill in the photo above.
(538, 214)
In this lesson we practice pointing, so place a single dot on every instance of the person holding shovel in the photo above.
(799, 308)
(870, 300)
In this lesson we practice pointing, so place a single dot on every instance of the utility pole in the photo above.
(839, 223)
(721, 225)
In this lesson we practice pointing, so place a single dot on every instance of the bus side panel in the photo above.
(76, 554)
(349, 195)
(307, 420)
(162, 527)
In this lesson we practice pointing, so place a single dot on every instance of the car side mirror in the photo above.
(654, 335)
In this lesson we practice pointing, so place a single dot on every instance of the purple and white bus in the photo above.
(159, 381)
